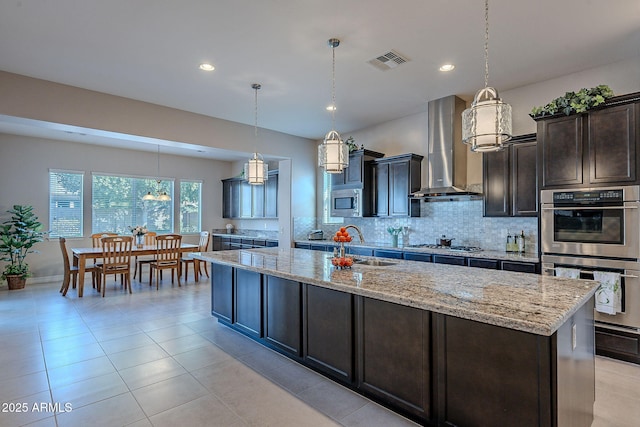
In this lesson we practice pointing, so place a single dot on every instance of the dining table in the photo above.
(81, 255)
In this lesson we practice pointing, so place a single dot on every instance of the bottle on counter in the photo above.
(515, 244)
(521, 242)
(509, 242)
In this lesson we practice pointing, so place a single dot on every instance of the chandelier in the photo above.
(161, 197)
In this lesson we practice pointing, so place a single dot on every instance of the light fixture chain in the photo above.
(486, 43)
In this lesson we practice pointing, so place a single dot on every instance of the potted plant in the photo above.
(17, 236)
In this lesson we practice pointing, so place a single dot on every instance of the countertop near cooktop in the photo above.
(501, 255)
(525, 302)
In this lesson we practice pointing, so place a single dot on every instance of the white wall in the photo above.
(24, 179)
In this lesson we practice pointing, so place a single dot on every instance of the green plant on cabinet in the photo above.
(574, 102)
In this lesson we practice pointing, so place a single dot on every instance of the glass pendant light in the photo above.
(486, 126)
(333, 153)
(256, 171)
(162, 197)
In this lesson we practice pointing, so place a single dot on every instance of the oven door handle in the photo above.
(588, 208)
(591, 272)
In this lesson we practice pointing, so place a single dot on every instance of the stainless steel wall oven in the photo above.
(596, 229)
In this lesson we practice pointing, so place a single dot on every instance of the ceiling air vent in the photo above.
(389, 60)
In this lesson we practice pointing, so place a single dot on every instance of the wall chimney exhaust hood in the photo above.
(446, 154)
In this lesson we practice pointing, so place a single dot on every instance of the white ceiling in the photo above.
(150, 50)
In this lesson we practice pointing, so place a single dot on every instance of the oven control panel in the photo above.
(592, 196)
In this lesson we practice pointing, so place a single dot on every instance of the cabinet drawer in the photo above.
(387, 253)
(522, 267)
(415, 256)
(483, 263)
(452, 260)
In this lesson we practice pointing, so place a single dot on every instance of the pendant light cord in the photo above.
(256, 86)
(486, 43)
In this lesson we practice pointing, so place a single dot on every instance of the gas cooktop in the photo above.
(450, 248)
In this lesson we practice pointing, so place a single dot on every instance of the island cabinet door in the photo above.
(283, 315)
(248, 303)
(222, 292)
(394, 355)
(328, 332)
(488, 375)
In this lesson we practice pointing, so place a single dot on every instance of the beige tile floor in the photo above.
(158, 358)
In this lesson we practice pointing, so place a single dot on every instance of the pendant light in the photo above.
(486, 126)
(333, 153)
(256, 171)
(162, 197)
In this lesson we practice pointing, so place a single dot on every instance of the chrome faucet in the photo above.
(358, 230)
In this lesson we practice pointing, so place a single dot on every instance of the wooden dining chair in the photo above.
(149, 240)
(167, 257)
(71, 270)
(203, 246)
(96, 238)
(116, 259)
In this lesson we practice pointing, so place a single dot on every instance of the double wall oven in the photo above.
(596, 229)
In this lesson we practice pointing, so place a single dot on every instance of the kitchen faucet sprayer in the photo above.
(358, 230)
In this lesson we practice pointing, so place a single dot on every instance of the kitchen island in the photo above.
(442, 344)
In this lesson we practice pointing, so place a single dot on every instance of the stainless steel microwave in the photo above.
(346, 202)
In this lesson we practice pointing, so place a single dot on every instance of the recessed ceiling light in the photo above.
(447, 67)
(331, 107)
(207, 67)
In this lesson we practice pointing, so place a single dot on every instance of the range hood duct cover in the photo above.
(447, 155)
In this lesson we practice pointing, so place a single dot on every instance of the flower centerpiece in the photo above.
(138, 234)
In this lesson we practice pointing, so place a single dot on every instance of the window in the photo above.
(190, 201)
(326, 201)
(65, 203)
(117, 204)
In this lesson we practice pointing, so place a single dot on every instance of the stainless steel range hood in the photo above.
(447, 155)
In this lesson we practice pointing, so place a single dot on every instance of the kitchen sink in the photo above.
(373, 262)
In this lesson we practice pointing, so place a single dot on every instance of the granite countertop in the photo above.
(501, 255)
(525, 302)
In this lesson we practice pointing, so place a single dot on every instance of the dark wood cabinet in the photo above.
(381, 189)
(394, 341)
(510, 179)
(356, 174)
(619, 345)
(496, 180)
(222, 292)
(271, 196)
(612, 137)
(595, 148)
(243, 200)
(560, 151)
(328, 332)
(248, 302)
(283, 314)
(524, 179)
(394, 179)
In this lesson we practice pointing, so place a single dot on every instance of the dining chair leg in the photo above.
(205, 269)
(196, 270)
(186, 270)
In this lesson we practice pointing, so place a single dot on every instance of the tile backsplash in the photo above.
(458, 220)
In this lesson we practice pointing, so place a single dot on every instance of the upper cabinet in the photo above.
(596, 148)
(356, 174)
(241, 200)
(509, 176)
(394, 178)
